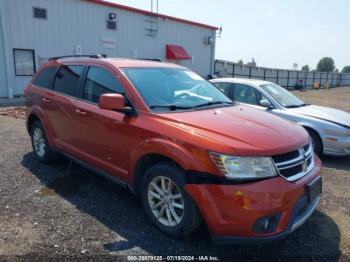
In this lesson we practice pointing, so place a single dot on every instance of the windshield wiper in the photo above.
(170, 107)
(213, 103)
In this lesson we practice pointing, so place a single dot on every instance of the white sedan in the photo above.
(329, 128)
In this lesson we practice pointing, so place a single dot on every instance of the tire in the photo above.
(316, 142)
(41, 147)
(188, 217)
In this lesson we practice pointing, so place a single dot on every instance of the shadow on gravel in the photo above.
(121, 212)
(342, 163)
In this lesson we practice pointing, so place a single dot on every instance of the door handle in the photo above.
(46, 100)
(80, 112)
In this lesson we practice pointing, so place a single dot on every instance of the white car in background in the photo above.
(329, 128)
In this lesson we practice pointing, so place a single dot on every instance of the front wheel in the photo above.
(316, 142)
(166, 203)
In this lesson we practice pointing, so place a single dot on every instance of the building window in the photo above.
(39, 13)
(24, 62)
(112, 25)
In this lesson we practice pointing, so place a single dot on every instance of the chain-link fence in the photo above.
(286, 78)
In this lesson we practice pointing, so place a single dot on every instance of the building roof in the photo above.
(140, 11)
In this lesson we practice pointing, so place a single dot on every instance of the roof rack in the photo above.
(150, 59)
(97, 56)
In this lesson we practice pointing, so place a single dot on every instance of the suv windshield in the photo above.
(165, 89)
(283, 96)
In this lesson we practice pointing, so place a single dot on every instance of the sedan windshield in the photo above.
(282, 96)
(170, 89)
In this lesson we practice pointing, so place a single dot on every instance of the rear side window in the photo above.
(67, 80)
(45, 77)
(100, 81)
(226, 88)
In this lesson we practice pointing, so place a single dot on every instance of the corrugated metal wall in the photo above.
(76, 22)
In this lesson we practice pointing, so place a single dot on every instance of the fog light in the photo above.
(266, 224)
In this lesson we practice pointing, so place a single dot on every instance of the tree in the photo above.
(326, 64)
(305, 68)
(252, 63)
(240, 62)
(346, 69)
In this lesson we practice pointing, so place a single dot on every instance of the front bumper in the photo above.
(231, 211)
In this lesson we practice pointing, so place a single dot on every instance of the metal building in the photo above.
(31, 31)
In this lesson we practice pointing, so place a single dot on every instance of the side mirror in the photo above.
(265, 103)
(114, 102)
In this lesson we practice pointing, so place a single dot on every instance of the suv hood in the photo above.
(247, 131)
(324, 113)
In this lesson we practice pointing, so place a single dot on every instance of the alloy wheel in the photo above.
(39, 142)
(166, 201)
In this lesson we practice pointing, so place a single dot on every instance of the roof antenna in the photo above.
(152, 6)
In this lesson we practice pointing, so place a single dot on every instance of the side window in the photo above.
(99, 81)
(225, 88)
(67, 80)
(246, 94)
(45, 77)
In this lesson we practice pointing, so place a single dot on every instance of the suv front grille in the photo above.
(296, 164)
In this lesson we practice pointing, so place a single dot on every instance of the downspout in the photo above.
(6, 47)
(2, 52)
(212, 57)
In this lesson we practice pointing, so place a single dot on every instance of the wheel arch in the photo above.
(37, 114)
(313, 130)
(156, 151)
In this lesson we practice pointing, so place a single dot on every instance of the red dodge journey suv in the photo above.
(175, 140)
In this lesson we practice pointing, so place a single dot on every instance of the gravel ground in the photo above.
(47, 214)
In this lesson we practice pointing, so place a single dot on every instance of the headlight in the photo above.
(234, 167)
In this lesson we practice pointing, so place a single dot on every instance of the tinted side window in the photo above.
(226, 88)
(67, 80)
(246, 94)
(99, 81)
(45, 77)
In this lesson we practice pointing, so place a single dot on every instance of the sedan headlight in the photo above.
(234, 167)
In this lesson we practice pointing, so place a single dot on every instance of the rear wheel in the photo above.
(316, 142)
(40, 145)
(166, 203)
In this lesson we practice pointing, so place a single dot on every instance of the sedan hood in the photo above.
(246, 130)
(324, 113)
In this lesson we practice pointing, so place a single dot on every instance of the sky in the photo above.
(276, 33)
